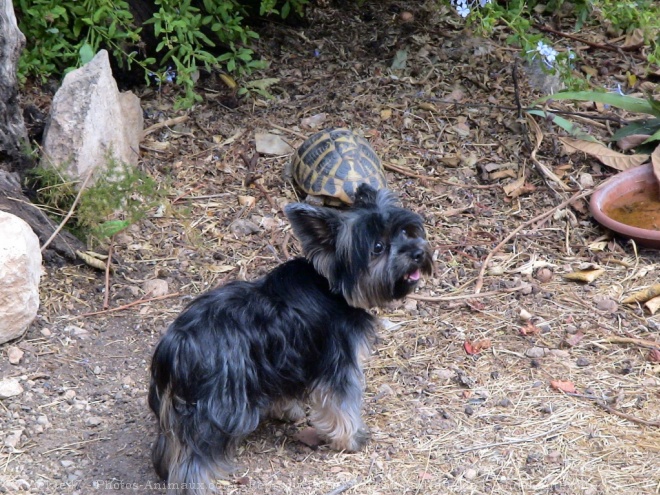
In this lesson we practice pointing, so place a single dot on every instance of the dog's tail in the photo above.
(197, 438)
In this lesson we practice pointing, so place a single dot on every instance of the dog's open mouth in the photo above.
(412, 277)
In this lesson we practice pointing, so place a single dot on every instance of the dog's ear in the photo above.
(315, 227)
(366, 196)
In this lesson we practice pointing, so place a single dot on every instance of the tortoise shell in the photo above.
(333, 163)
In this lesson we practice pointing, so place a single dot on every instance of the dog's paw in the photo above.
(354, 443)
(291, 411)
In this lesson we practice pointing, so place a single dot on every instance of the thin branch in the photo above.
(537, 218)
(70, 213)
(134, 303)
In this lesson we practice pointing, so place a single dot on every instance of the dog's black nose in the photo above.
(417, 255)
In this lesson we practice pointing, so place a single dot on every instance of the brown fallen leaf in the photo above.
(563, 386)
(653, 356)
(643, 295)
(653, 305)
(477, 346)
(586, 276)
(632, 141)
(529, 329)
(573, 340)
(609, 157)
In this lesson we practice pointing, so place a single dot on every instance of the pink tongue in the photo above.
(414, 275)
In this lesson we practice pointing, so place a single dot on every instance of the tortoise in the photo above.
(331, 164)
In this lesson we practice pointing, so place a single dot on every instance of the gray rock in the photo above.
(91, 119)
(12, 440)
(20, 272)
(156, 287)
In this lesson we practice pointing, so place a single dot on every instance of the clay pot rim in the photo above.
(601, 197)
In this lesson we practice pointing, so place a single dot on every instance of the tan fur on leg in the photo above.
(287, 410)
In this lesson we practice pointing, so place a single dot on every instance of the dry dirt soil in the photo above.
(460, 396)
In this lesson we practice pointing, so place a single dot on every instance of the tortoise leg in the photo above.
(315, 200)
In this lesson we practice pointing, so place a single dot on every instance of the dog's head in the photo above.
(373, 253)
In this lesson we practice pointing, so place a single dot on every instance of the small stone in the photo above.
(608, 305)
(536, 352)
(468, 411)
(93, 421)
(242, 228)
(582, 362)
(544, 275)
(69, 395)
(156, 287)
(14, 354)
(81, 333)
(406, 17)
(560, 353)
(66, 463)
(470, 474)
(13, 439)
(586, 180)
(45, 332)
(43, 420)
(524, 315)
(9, 388)
(444, 374)
(97, 370)
(504, 402)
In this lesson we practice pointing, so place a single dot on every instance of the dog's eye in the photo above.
(379, 247)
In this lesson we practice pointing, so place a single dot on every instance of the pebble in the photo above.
(470, 474)
(14, 354)
(93, 421)
(9, 388)
(69, 395)
(582, 362)
(66, 463)
(13, 438)
(97, 370)
(536, 352)
(156, 287)
(505, 402)
(544, 275)
(81, 333)
(608, 305)
(45, 332)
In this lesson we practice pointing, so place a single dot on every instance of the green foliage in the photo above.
(118, 198)
(62, 35)
(519, 16)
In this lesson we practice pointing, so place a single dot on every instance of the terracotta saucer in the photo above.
(634, 179)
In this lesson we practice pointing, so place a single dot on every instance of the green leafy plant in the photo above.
(64, 35)
(119, 197)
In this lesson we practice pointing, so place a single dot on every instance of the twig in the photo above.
(126, 306)
(165, 123)
(70, 212)
(480, 279)
(601, 403)
(513, 442)
(649, 344)
(285, 242)
(464, 296)
(252, 178)
(408, 173)
(295, 133)
(187, 193)
(106, 296)
(600, 46)
(342, 488)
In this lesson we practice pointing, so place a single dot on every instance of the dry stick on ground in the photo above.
(343, 488)
(601, 402)
(70, 213)
(530, 438)
(165, 123)
(106, 296)
(407, 173)
(480, 279)
(463, 296)
(126, 306)
(252, 178)
(649, 344)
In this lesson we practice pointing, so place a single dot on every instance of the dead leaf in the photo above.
(430, 107)
(653, 356)
(653, 305)
(92, 260)
(505, 173)
(477, 346)
(586, 276)
(314, 122)
(529, 329)
(635, 39)
(247, 201)
(643, 295)
(609, 157)
(386, 114)
(271, 144)
(573, 340)
(632, 141)
(511, 188)
(563, 386)
(308, 436)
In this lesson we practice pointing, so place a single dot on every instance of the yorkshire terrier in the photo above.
(249, 350)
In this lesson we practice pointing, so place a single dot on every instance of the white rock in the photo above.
(10, 387)
(13, 438)
(14, 354)
(89, 119)
(156, 287)
(20, 271)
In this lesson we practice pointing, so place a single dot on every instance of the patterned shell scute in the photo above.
(334, 163)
